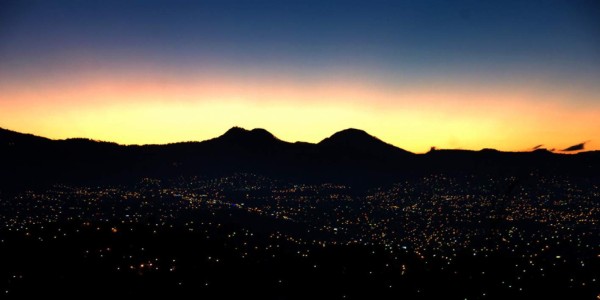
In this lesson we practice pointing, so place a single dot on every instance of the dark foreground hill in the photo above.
(350, 156)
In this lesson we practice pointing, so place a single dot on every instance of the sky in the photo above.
(459, 74)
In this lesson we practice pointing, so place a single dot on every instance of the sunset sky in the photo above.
(508, 75)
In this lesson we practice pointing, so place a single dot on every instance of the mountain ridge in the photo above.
(234, 132)
(350, 156)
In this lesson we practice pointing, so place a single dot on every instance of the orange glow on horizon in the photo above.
(147, 110)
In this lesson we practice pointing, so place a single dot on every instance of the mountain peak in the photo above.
(352, 132)
(358, 140)
(241, 134)
(262, 133)
(350, 136)
(235, 131)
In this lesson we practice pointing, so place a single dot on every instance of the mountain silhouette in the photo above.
(361, 143)
(241, 135)
(350, 156)
(352, 137)
(10, 138)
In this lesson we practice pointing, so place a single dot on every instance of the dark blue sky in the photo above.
(557, 38)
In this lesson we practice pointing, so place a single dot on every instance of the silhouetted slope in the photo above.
(359, 142)
(355, 157)
(240, 141)
(13, 138)
(350, 156)
(238, 135)
(238, 150)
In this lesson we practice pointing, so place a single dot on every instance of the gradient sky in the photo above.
(452, 74)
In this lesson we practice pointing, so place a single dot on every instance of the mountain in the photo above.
(255, 141)
(350, 156)
(354, 138)
(257, 135)
(361, 144)
(10, 138)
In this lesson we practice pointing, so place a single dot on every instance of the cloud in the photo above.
(537, 147)
(577, 147)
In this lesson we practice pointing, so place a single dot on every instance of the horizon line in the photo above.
(433, 148)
